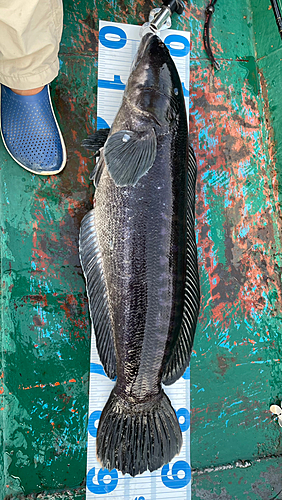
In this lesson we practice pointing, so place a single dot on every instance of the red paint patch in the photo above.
(230, 155)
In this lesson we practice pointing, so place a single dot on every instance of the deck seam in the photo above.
(239, 464)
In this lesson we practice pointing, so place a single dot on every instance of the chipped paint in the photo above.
(256, 480)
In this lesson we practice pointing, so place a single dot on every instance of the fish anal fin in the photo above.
(181, 353)
(129, 155)
(90, 258)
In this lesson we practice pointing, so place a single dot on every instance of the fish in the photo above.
(138, 253)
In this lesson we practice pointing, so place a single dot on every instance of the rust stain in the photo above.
(272, 147)
(42, 386)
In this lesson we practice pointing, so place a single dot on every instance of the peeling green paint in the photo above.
(249, 63)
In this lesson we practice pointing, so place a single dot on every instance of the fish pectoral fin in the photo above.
(97, 171)
(181, 352)
(90, 258)
(129, 155)
(97, 140)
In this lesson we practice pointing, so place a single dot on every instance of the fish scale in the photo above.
(117, 206)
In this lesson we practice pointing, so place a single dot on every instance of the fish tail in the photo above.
(133, 437)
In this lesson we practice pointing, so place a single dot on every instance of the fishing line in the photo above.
(209, 13)
(277, 14)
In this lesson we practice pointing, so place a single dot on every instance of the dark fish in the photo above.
(138, 253)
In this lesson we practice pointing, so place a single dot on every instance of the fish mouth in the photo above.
(152, 44)
(145, 40)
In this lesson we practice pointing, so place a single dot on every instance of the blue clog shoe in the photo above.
(30, 131)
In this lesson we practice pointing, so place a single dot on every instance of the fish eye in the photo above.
(176, 91)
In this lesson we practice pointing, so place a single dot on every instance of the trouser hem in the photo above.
(31, 81)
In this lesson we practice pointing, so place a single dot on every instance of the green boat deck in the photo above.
(236, 369)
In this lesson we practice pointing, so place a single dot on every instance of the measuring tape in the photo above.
(118, 44)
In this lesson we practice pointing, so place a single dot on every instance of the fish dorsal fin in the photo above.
(96, 141)
(129, 155)
(90, 258)
(97, 171)
(181, 352)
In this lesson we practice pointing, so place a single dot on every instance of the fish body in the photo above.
(138, 253)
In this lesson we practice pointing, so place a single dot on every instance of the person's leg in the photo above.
(30, 34)
(29, 91)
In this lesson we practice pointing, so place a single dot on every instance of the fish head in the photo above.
(154, 87)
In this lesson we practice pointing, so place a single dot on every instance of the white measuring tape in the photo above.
(118, 44)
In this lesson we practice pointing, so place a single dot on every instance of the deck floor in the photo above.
(236, 374)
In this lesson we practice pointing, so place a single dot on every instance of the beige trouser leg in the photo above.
(30, 34)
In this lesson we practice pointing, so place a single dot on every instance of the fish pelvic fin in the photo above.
(96, 141)
(129, 155)
(90, 258)
(97, 171)
(181, 353)
(133, 437)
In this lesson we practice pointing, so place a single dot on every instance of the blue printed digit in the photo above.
(118, 43)
(176, 482)
(102, 488)
(95, 367)
(186, 374)
(177, 52)
(115, 84)
(91, 424)
(101, 123)
(184, 413)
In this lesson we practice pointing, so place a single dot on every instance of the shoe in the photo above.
(30, 131)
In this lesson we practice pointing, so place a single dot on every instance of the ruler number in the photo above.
(94, 417)
(102, 487)
(179, 476)
(112, 37)
(183, 416)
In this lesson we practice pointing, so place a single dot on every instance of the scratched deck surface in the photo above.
(236, 130)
